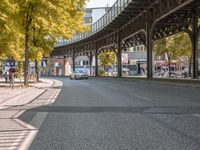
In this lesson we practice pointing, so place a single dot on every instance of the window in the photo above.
(131, 49)
(88, 12)
(141, 48)
(88, 20)
(138, 48)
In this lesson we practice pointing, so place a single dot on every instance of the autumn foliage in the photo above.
(29, 28)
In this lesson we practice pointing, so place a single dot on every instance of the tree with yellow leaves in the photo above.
(106, 59)
(165, 46)
(9, 34)
(55, 19)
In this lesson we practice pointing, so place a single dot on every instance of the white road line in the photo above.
(10, 138)
(196, 115)
(55, 96)
(141, 97)
(15, 142)
(28, 140)
(114, 88)
(19, 114)
(22, 139)
(25, 125)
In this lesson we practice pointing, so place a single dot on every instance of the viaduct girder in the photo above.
(133, 22)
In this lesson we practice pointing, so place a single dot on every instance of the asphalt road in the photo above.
(99, 114)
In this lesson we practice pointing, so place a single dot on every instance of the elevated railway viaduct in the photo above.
(131, 22)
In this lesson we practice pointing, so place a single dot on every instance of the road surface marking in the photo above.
(22, 139)
(141, 97)
(196, 115)
(28, 140)
(113, 88)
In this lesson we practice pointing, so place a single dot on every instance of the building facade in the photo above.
(55, 66)
(134, 61)
(91, 16)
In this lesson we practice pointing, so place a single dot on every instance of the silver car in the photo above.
(79, 74)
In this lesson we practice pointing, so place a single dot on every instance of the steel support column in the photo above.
(64, 62)
(96, 62)
(90, 57)
(73, 60)
(119, 58)
(149, 46)
(195, 43)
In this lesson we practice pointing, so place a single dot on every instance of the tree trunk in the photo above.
(169, 62)
(90, 57)
(26, 61)
(37, 71)
(91, 68)
(20, 69)
(190, 66)
(63, 67)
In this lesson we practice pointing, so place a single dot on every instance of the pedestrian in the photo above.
(142, 71)
(6, 76)
(10, 74)
(1, 73)
(185, 72)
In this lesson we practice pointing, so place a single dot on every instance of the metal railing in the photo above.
(104, 21)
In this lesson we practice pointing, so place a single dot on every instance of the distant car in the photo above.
(173, 74)
(79, 74)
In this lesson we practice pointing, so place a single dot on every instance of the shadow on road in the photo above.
(144, 110)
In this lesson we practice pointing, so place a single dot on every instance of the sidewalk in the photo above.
(19, 95)
(14, 133)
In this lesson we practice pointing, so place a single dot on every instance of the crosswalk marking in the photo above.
(16, 134)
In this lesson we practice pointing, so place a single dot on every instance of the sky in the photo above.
(100, 3)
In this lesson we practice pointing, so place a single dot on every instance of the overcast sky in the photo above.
(100, 3)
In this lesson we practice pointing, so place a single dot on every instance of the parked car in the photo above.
(173, 74)
(79, 74)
